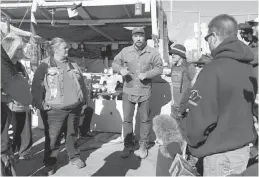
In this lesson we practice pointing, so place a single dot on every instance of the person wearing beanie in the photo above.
(182, 73)
(138, 64)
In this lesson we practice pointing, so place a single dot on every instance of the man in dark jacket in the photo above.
(220, 121)
(138, 64)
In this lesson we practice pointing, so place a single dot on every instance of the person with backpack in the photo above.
(59, 92)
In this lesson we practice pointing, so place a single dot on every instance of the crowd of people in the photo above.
(212, 114)
(58, 90)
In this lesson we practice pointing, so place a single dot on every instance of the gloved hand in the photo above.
(124, 72)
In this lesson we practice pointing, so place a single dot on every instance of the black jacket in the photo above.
(12, 83)
(220, 118)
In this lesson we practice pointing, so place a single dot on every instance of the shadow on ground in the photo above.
(113, 161)
(35, 166)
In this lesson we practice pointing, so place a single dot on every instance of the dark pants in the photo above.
(145, 120)
(85, 121)
(22, 132)
(6, 150)
(5, 122)
(56, 122)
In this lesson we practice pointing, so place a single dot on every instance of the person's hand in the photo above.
(142, 76)
(166, 71)
(46, 107)
(83, 109)
(124, 72)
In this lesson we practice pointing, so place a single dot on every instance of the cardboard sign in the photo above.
(181, 167)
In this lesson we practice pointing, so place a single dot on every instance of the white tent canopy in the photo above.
(96, 20)
(17, 31)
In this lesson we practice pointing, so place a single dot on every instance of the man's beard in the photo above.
(140, 45)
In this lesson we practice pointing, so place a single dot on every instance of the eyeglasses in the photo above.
(207, 37)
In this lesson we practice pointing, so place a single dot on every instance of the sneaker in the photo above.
(78, 163)
(142, 152)
(126, 152)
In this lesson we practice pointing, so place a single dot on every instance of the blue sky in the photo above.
(183, 22)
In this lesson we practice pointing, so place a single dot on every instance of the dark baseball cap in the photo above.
(138, 30)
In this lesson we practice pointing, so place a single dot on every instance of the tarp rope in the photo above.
(24, 14)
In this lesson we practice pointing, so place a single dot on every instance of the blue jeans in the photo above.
(57, 121)
(227, 163)
(145, 124)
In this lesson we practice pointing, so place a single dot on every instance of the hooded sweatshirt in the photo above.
(220, 115)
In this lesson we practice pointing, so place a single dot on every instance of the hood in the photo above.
(233, 48)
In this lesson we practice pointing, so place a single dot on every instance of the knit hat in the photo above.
(178, 49)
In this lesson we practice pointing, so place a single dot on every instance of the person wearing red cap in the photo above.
(138, 64)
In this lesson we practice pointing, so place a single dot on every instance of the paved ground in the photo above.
(101, 156)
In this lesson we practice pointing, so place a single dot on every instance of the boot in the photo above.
(126, 151)
(50, 166)
(128, 145)
(142, 152)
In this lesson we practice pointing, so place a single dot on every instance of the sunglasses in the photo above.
(207, 37)
(199, 65)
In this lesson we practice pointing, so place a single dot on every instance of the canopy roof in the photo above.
(19, 32)
(97, 20)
